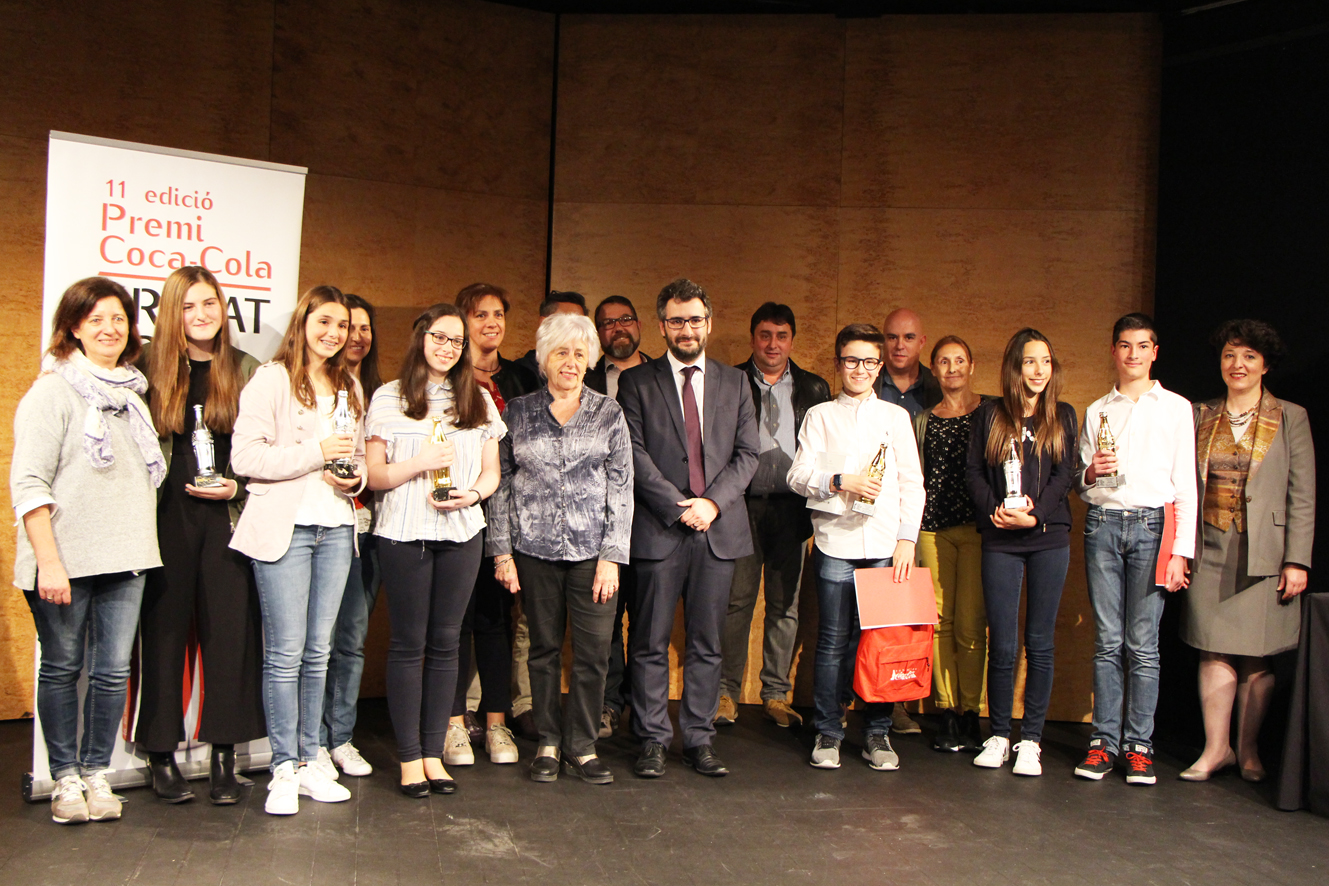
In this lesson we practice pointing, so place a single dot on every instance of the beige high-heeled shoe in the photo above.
(1194, 773)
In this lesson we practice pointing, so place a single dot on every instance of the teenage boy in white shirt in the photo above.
(1128, 488)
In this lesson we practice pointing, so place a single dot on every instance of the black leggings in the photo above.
(428, 587)
(489, 620)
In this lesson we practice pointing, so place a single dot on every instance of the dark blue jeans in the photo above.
(1120, 554)
(1003, 574)
(347, 662)
(103, 610)
(837, 646)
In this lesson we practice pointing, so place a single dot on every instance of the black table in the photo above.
(1304, 783)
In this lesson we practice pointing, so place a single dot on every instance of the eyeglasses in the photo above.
(852, 363)
(442, 338)
(610, 322)
(680, 322)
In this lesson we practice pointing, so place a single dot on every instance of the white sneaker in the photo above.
(283, 791)
(996, 751)
(348, 759)
(325, 765)
(316, 785)
(67, 803)
(457, 746)
(1028, 759)
(103, 805)
(499, 744)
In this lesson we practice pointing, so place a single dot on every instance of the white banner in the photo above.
(135, 213)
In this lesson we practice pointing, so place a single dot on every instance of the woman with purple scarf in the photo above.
(85, 469)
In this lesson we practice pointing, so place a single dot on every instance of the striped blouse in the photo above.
(404, 513)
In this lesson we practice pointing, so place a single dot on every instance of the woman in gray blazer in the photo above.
(1256, 465)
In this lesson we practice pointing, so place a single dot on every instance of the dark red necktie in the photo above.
(692, 423)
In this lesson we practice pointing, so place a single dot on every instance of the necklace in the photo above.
(482, 369)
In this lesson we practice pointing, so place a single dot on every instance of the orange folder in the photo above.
(882, 603)
(1165, 548)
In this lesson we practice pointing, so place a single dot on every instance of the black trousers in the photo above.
(556, 594)
(487, 623)
(618, 679)
(701, 580)
(428, 585)
(204, 583)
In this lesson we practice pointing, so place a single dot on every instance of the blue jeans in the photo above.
(347, 661)
(300, 595)
(1003, 574)
(837, 646)
(103, 609)
(1120, 554)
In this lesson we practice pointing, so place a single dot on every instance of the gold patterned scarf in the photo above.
(1266, 426)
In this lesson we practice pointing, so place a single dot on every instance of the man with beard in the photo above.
(694, 447)
(619, 329)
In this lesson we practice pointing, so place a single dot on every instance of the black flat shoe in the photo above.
(544, 769)
(224, 789)
(703, 759)
(948, 738)
(442, 786)
(591, 771)
(651, 763)
(167, 782)
(416, 790)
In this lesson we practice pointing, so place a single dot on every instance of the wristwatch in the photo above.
(835, 483)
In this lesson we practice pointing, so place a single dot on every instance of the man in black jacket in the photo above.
(782, 393)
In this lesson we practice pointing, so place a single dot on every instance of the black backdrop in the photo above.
(1243, 231)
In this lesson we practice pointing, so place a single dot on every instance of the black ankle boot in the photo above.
(225, 789)
(970, 732)
(167, 782)
(948, 737)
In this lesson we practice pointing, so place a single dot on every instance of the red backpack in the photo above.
(894, 664)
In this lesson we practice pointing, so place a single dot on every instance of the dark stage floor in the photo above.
(775, 820)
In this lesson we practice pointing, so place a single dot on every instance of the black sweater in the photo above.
(1047, 484)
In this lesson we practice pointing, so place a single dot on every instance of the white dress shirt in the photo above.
(677, 366)
(1155, 455)
(842, 437)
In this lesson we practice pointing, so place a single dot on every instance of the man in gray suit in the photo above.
(695, 447)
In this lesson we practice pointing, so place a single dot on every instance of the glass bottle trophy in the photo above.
(875, 471)
(1014, 472)
(1107, 443)
(342, 423)
(204, 454)
(440, 481)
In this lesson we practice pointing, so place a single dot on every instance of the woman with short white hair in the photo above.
(560, 525)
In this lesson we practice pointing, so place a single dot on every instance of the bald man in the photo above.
(905, 381)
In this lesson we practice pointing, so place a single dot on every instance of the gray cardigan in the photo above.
(104, 519)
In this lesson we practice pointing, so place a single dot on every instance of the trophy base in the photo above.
(866, 508)
(1013, 501)
(441, 493)
(209, 481)
(1112, 482)
(340, 470)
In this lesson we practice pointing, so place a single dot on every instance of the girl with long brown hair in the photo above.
(430, 539)
(298, 528)
(1032, 537)
(191, 363)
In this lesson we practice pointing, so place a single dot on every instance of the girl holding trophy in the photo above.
(1021, 464)
(433, 450)
(195, 376)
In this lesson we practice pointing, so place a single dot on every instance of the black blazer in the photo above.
(650, 402)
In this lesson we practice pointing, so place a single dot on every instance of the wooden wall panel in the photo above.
(989, 171)
(425, 124)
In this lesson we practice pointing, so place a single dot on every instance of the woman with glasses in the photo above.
(838, 442)
(429, 526)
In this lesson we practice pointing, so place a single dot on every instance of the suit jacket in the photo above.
(650, 401)
(276, 445)
(597, 378)
(1280, 487)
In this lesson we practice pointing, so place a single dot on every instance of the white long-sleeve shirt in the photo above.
(842, 437)
(1155, 454)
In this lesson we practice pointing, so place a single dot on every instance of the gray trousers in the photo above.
(778, 551)
(554, 595)
(701, 580)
